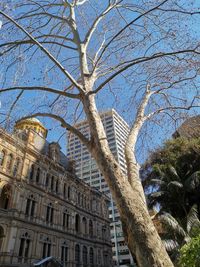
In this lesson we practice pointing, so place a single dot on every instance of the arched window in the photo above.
(16, 166)
(1, 237)
(9, 162)
(90, 228)
(85, 256)
(32, 172)
(5, 197)
(46, 248)
(38, 175)
(24, 248)
(2, 157)
(64, 253)
(91, 257)
(77, 255)
(77, 223)
(84, 223)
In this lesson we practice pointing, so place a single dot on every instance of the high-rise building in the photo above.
(86, 169)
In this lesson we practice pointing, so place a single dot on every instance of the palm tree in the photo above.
(171, 177)
(178, 233)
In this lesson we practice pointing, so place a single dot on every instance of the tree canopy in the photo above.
(172, 175)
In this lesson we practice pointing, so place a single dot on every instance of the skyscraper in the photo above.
(86, 169)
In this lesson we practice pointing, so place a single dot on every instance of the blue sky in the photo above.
(31, 67)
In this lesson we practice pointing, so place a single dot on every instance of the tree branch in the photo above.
(132, 165)
(40, 88)
(64, 124)
(96, 22)
(172, 108)
(57, 63)
(142, 60)
(16, 43)
(139, 120)
(127, 26)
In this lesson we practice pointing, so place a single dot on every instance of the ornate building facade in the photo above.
(45, 210)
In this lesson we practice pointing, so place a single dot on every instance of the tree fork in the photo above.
(142, 237)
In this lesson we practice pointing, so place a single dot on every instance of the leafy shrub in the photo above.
(190, 253)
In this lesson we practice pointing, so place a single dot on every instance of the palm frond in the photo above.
(175, 184)
(170, 244)
(193, 220)
(172, 224)
(193, 182)
(157, 181)
(172, 171)
(157, 194)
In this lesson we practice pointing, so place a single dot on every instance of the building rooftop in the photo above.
(189, 129)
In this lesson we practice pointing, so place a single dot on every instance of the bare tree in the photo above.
(58, 55)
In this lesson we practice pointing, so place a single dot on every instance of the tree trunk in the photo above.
(142, 237)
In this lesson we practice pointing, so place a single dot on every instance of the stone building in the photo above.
(45, 210)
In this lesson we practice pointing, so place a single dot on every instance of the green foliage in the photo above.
(190, 253)
(171, 176)
(178, 233)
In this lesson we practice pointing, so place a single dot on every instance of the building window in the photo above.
(79, 198)
(30, 206)
(65, 219)
(38, 175)
(90, 228)
(106, 262)
(85, 259)
(52, 183)
(46, 248)
(57, 186)
(49, 213)
(1, 237)
(91, 257)
(2, 157)
(47, 180)
(16, 166)
(24, 248)
(77, 255)
(77, 223)
(32, 172)
(64, 253)
(5, 197)
(99, 257)
(64, 190)
(103, 232)
(84, 202)
(69, 192)
(84, 223)
(9, 162)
